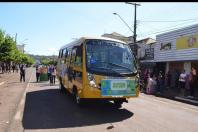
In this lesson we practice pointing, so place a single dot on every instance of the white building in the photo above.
(118, 36)
(20, 48)
(177, 49)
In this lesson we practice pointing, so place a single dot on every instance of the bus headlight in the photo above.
(91, 79)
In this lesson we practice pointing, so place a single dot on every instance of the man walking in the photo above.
(22, 73)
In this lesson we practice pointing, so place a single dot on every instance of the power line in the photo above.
(169, 21)
(159, 31)
(168, 30)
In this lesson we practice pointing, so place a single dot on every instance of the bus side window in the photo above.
(73, 55)
(68, 56)
(59, 55)
(65, 55)
(78, 56)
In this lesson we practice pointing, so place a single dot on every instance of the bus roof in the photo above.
(82, 39)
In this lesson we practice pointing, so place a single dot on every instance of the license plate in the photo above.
(118, 87)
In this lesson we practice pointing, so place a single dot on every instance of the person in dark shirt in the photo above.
(193, 80)
(22, 73)
(37, 73)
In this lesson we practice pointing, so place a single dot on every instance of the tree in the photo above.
(10, 53)
(7, 48)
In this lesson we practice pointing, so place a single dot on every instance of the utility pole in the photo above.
(16, 38)
(135, 26)
(135, 23)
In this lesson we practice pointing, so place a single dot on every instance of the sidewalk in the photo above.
(173, 94)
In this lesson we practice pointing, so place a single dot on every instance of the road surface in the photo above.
(48, 110)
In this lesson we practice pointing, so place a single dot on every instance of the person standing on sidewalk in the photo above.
(37, 73)
(149, 86)
(193, 79)
(17, 68)
(13, 67)
(53, 75)
(50, 74)
(160, 82)
(22, 73)
(182, 81)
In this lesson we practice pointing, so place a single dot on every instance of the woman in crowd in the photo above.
(37, 73)
(193, 80)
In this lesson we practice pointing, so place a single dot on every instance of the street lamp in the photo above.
(23, 44)
(131, 46)
(123, 21)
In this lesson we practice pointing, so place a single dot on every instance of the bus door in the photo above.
(66, 67)
(61, 70)
(75, 68)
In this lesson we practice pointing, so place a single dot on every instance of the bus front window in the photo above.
(109, 57)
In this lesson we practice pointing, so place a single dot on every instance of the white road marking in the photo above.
(2, 83)
(19, 114)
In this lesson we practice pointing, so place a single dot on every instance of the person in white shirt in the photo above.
(53, 75)
(149, 86)
(182, 81)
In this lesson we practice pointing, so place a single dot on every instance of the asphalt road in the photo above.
(10, 94)
(48, 110)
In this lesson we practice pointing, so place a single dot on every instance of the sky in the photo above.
(45, 27)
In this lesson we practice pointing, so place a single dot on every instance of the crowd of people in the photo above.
(184, 83)
(6, 68)
(50, 71)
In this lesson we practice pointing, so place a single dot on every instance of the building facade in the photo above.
(177, 50)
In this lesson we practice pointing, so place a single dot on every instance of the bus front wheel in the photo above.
(118, 103)
(78, 100)
(61, 87)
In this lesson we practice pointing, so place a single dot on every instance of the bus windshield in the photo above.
(109, 57)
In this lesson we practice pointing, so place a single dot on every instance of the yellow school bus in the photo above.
(98, 68)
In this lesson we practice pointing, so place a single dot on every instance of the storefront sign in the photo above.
(187, 42)
(149, 53)
(165, 46)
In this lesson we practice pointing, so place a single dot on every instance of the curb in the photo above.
(16, 119)
(180, 99)
(189, 101)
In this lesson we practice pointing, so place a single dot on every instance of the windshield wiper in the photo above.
(111, 70)
(119, 66)
(131, 72)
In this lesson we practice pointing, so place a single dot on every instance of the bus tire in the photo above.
(118, 103)
(78, 100)
(61, 87)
